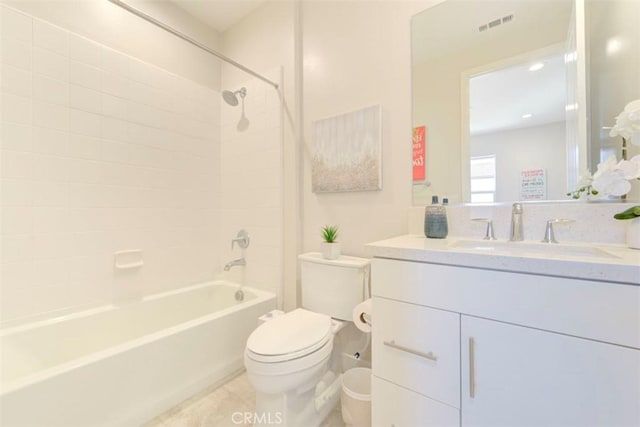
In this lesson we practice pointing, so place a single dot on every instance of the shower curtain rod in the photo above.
(190, 40)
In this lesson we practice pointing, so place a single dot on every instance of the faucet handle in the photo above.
(489, 234)
(242, 239)
(549, 236)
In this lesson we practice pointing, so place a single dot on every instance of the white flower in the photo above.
(628, 123)
(585, 178)
(608, 165)
(612, 178)
(630, 168)
(612, 183)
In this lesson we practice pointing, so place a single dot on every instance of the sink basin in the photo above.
(532, 248)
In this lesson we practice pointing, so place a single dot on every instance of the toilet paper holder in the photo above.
(366, 318)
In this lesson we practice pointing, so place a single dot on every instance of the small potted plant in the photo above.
(633, 227)
(330, 247)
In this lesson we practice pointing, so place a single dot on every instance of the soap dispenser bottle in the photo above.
(435, 220)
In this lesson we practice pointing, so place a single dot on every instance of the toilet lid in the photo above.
(291, 335)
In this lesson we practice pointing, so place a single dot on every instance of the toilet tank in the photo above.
(333, 286)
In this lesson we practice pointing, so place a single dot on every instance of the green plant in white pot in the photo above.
(632, 215)
(330, 246)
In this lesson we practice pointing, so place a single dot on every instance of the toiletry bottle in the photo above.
(445, 203)
(435, 220)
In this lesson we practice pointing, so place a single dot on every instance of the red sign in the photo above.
(419, 153)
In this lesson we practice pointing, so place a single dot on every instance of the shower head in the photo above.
(231, 98)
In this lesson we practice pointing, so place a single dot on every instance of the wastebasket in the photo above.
(356, 397)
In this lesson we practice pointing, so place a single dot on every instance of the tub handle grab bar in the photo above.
(128, 259)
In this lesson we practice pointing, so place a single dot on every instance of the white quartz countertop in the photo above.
(617, 264)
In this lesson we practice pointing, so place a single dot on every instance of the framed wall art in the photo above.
(346, 152)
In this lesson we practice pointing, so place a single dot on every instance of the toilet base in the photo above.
(294, 408)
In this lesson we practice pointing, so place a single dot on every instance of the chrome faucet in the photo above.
(516, 235)
(549, 235)
(240, 261)
(489, 234)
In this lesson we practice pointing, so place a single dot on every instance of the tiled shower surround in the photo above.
(102, 152)
(251, 194)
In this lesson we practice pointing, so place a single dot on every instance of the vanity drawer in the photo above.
(392, 405)
(418, 348)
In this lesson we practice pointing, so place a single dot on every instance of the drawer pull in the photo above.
(472, 367)
(393, 344)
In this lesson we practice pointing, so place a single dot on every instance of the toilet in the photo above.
(293, 361)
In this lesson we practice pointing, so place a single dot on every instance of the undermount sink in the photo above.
(532, 248)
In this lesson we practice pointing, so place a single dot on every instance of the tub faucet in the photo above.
(516, 235)
(239, 261)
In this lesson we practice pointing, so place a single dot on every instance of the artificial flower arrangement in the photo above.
(613, 176)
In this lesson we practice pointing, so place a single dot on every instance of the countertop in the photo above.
(622, 266)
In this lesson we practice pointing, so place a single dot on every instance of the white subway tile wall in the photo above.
(102, 152)
(251, 184)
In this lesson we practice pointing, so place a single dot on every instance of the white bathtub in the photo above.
(123, 365)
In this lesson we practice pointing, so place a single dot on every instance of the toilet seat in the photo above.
(290, 336)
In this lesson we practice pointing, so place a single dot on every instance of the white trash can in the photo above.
(356, 397)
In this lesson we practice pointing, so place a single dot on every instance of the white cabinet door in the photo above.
(515, 376)
(396, 406)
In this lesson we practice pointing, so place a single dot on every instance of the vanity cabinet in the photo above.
(419, 349)
(398, 406)
(517, 376)
(416, 368)
(507, 349)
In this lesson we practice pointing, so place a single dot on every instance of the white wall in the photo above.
(110, 25)
(100, 152)
(614, 79)
(357, 54)
(538, 147)
(264, 42)
(251, 191)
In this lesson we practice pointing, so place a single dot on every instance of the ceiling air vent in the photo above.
(495, 22)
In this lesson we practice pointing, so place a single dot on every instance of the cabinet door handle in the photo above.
(393, 344)
(472, 367)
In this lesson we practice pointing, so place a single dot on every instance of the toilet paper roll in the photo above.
(362, 315)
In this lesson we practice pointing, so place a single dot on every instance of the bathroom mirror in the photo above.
(504, 107)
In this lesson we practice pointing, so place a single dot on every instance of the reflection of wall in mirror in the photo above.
(524, 149)
(436, 100)
(614, 80)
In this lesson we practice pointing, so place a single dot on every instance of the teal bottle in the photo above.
(435, 220)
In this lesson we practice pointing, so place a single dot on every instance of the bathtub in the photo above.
(123, 365)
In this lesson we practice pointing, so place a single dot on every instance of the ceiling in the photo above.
(218, 14)
(453, 26)
(499, 99)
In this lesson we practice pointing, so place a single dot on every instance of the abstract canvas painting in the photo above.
(346, 152)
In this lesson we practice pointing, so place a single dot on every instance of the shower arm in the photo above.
(190, 40)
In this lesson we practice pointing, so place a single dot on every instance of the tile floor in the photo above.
(214, 407)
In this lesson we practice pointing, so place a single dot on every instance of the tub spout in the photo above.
(239, 261)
